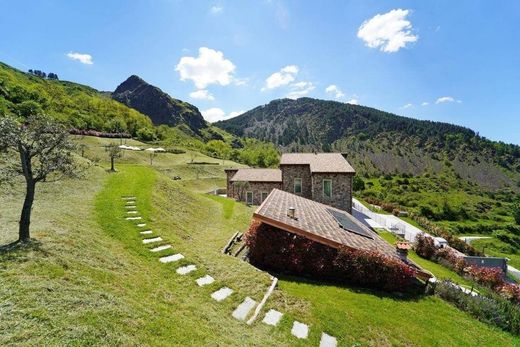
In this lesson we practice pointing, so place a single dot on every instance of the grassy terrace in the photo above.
(89, 280)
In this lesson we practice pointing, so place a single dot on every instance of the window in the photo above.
(264, 196)
(249, 198)
(297, 186)
(327, 188)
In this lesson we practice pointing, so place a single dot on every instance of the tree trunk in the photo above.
(112, 163)
(25, 218)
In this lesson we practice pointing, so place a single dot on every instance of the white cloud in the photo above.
(333, 89)
(213, 114)
(202, 94)
(215, 9)
(210, 67)
(235, 113)
(81, 57)
(389, 32)
(407, 106)
(425, 103)
(281, 78)
(353, 101)
(445, 99)
(300, 89)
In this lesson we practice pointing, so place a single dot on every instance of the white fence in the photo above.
(390, 222)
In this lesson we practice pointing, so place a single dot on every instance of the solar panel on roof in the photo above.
(348, 224)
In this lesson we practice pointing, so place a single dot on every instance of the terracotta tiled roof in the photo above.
(258, 175)
(315, 222)
(318, 162)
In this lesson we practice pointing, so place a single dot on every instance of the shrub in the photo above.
(274, 249)
(424, 246)
(516, 212)
(491, 309)
(489, 277)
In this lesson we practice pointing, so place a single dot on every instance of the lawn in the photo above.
(89, 280)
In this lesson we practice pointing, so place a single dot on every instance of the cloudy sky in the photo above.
(453, 61)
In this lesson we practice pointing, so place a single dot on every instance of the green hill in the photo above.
(87, 279)
(378, 142)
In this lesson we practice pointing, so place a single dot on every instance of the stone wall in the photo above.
(257, 188)
(341, 190)
(229, 175)
(290, 172)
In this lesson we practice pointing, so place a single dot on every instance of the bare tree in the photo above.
(152, 157)
(114, 152)
(44, 152)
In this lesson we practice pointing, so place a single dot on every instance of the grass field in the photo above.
(87, 279)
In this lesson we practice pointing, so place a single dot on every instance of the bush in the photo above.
(491, 309)
(281, 251)
(489, 277)
(358, 184)
(424, 247)
(516, 212)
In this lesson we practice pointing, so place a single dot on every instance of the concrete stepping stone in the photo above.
(205, 280)
(161, 248)
(128, 198)
(300, 330)
(272, 317)
(184, 270)
(133, 218)
(171, 258)
(153, 239)
(130, 207)
(222, 293)
(131, 212)
(242, 311)
(140, 225)
(328, 341)
(146, 232)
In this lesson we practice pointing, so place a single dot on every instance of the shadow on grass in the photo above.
(414, 294)
(16, 251)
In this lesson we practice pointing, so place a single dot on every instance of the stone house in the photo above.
(322, 177)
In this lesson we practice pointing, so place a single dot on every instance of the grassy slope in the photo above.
(91, 281)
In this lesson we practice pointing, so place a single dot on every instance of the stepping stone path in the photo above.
(160, 248)
(300, 330)
(186, 269)
(222, 293)
(328, 341)
(146, 232)
(140, 225)
(133, 218)
(205, 280)
(243, 309)
(171, 258)
(154, 239)
(272, 317)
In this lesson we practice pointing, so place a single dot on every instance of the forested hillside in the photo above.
(378, 142)
(74, 104)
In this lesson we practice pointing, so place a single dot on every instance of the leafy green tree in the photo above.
(27, 108)
(358, 184)
(113, 152)
(34, 148)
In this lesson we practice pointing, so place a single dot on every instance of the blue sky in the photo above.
(452, 61)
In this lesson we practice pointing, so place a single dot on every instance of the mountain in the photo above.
(378, 142)
(156, 104)
(74, 104)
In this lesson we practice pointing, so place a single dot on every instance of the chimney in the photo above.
(402, 249)
(291, 212)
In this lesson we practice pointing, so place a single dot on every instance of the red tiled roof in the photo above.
(319, 162)
(315, 222)
(257, 175)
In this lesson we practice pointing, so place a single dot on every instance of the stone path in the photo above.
(242, 311)
(171, 258)
(183, 270)
(244, 308)
(205, 280)
(153, 239)
(300, 330)
(328, 341)
(160, 248)
(222, 294)
(272, 317)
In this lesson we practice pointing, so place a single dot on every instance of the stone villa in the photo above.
(322, 177)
